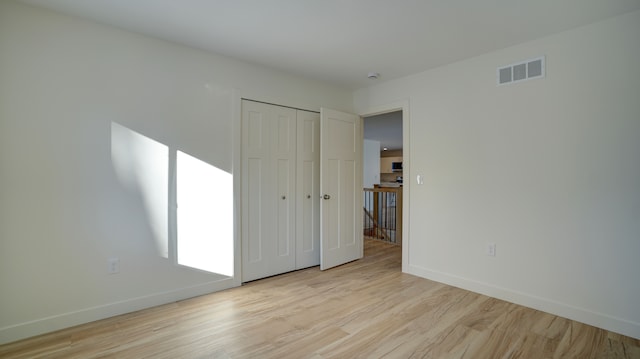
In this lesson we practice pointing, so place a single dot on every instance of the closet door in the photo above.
(308, 190)
(341, 239)
(268, 190)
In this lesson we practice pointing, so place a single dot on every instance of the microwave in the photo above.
(396, 166)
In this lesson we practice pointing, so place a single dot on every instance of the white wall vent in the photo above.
(521, 71)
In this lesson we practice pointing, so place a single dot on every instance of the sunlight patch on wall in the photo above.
(205, 216)
(142, 166)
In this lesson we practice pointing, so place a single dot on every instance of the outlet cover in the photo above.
(113, 265)
(491, 249)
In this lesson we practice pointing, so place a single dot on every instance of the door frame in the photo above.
(402, 105)
(237, 186)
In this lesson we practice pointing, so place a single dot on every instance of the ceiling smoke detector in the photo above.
(373, 75)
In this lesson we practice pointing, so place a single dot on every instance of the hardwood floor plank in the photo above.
(363, 309)
(581, 341)
(618, 349)
(486, 314)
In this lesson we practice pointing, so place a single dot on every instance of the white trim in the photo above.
(66, 320)
(236, 114)
(600, 320)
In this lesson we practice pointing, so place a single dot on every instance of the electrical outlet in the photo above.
(491, 249)
(113, 265)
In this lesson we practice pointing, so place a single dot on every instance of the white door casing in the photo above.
(341, 188)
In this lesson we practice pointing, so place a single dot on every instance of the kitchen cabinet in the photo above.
(385, 164)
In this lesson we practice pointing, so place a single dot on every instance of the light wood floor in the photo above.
(366, 309)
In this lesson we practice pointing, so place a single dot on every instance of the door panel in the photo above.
(268, 158)
(283, 256)
(284, 210)
(285, 141)
(258, 221)
(347, 203)
(341, 185)
(308, 190)
(331, 208)
(255, 134)
(254, 208)
(307, 209)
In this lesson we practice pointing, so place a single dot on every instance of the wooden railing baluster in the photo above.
(383, 214)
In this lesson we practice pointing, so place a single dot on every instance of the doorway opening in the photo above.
(383, 177)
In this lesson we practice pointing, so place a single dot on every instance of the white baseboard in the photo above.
(56, 322)
(600, 320)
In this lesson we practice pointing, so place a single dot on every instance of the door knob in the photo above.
(326, 196)
(284, 197)
(308, 196)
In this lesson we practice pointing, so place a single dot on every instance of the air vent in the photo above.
(521, 71)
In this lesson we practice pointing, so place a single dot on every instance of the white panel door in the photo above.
(341, 186)
(268, 190)
(308, 190)
(284, 160)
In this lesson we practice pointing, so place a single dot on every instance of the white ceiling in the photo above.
(340, 41)
(385, 128)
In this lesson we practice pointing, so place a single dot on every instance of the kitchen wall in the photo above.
(370, 163)
(391, 153)
(546, 169)
(66, 85)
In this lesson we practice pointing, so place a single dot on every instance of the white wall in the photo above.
(371, 163)
(63, 210)
(547, 169)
